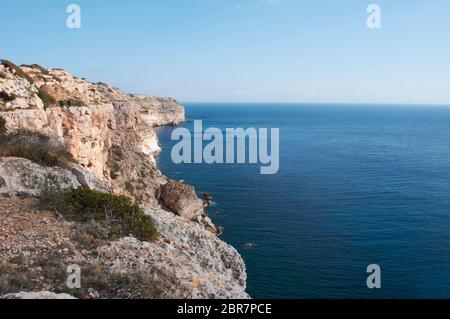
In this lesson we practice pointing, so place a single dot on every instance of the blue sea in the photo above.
(358, 185)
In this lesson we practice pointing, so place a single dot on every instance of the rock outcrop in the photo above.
(181, 199)
(23, 177)
(107, 131)
(201, 265)
(42, 295)
(112, 139)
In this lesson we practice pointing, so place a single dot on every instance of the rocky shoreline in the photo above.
(95, 137)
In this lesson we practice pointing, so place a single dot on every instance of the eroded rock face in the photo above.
(201, 265)
(93, 121)
(23, 177)
(112, 138)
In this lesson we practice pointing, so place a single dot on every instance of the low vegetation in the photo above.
(110, 216)
(46, 97)
(137, 285)
(72, 102)
(129, 187)
(33, 146)
(2, 126)
(7, 97)
(115, 171)
(49, 272)
(15, 278)
(117, 153)
(37, 67)
(17, 71)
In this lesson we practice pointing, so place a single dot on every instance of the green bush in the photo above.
(129, 187)
(72, 102)
(115, 171)
(46, 97)
(18, 71)
(37, 154)
(120, 215)
(33, 146)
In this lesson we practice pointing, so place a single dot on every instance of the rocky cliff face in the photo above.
(107, 131)
(111, 138)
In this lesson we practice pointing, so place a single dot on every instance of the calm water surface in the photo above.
(357, 185)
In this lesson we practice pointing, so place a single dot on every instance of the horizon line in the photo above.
(318, 103)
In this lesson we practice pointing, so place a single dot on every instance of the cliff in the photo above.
(82, 135)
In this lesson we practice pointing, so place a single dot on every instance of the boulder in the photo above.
(182, 200)
(88, 180)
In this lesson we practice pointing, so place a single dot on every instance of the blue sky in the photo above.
(242, 50)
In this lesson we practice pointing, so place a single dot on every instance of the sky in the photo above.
(308, 51)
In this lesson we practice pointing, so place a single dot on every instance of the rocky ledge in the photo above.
(93, 137)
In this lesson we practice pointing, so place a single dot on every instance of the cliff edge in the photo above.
(93, 140)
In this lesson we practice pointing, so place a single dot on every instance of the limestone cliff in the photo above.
(112, 142)
(107, 131)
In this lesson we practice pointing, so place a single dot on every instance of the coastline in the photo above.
(111, 137)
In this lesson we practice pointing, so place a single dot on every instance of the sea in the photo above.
(358, 185)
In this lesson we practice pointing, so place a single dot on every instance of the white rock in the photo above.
(196, 261)
(37, 295)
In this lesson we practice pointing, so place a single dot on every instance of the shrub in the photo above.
(117, 153)
(72, 102)
(46, 97)
(129, 187)
(40, 68)
(36, 154)
(17, 71)
(89, 235)
(134, 285)
(14, 279)
(119, 215)
(2, 126)
(33, 146)
(52, 267)
(137, 285)
(114, 173)
(7, 97)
